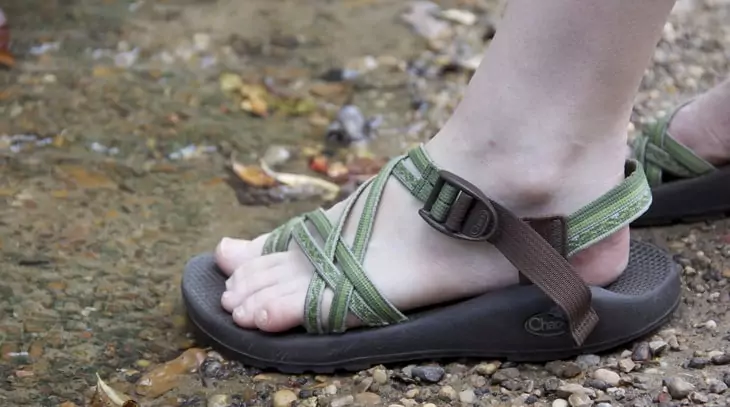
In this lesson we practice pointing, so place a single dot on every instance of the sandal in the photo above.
(685, 187)
(550, 315)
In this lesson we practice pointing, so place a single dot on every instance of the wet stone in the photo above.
(367, 399)
(658, 347)
(678, 388)
(343, 401)
(551, 385)
(716, 386)
(284, 398)
(431, 374)
(467, 396)
(447, 393)
(698, 363)
(212, 368)
(721, 360)
(487, 369)
(565, 370)
(219, 400)
(588, 361)
(698, 398)
(511, 384)
(609, 377)
(380, 376)
(580, 400)
(597, 384)
(641, 352)
(505, 374)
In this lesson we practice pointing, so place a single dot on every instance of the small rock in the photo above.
(716, 386)
(551, 385)
(698, 398)
(565, 370)
(721, 360)
(698, 363)
(467, 396)
(663, 397)
(726, 378)
(380, 376)
(597, 384)
(431, 374)
(641, 352)
(487, 369)
(588, 361)
(219, 400)
(673, 343)
(658, 347)
(284, 398)
(567, 389)
(429, 405)
(616, 392)
(710, 325)
(560, 403)
(342, 401)
(447, 393)
(367, 399)
(580, 400)
(505, 374)
(511, 384)
(604, 404)
(626, 365)
(364, 385)
(531, 399)
(412, 393)
(330, 389)
(610, 377)
(678, 388)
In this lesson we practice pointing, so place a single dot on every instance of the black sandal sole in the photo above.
(688, 201)
(519, 323)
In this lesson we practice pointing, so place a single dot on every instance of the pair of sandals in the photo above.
(552, 314)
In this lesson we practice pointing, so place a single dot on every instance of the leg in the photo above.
(541, 130)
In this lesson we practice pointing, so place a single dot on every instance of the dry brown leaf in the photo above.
(105, 396)
(252, 175)
(328, 189)
(166, 377)
(85, 178)
(7, 59)
(255, 99)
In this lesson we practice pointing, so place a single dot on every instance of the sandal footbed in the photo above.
(518, 323)
(689, 200)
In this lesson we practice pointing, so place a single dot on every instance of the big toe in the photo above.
(231, 253)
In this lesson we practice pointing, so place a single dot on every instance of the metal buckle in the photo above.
(481, 220)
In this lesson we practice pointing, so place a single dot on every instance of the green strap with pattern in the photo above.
(338, 266)
(659, 153)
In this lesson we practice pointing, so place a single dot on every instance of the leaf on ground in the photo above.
(105, 396)
(7, 59)
(328, 190)
(166, 377)
(230, 82)
(84, 178)
(252, 175)
(255, 99)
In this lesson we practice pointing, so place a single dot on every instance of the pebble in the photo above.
(342, 401)
(678, 388)
(610, 377)
(597, 384)
(721, 360)
(565, 370)
(219, 400)
(505, 374)
(588, 361)
(487, 369)
(431, 374)
(580, 400)
(626, 365)
(330, 389)
(616, 392)
(429, 405)
(567, 389)
(447, 393)
(604, 404)
(367, 399)
(726, 378)
(364, 385)
(560, 403)
(551, 384)
(641, 352)
(698, 363)
(698, 398)
(284, 398)
(658, 347)
(710, 325)
(511, 384)
(467, 396)
(716, 386)
(380, 376)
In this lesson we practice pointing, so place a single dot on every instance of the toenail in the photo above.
(226, 296)
(262, 318)
(239, 312)
(226, 246)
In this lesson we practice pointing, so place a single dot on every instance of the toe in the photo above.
(232, 253)
(245, 314)
(281, 314)
(252, 276)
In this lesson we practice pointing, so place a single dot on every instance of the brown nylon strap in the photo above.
(547, 268)
(554, 230)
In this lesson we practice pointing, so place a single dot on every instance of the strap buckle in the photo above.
(471, 216)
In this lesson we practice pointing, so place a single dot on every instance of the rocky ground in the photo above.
(131, 141)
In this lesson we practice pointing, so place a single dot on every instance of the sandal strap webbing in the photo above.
(660, 153)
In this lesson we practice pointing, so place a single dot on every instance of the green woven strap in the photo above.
(338, 265)
(660, 154)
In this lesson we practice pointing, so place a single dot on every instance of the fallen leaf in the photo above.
(252, 175)
(328, 189)
(86, 179)
(230, 82)
(166, 377)
(7, 59)
(254, 99)
(105, 396)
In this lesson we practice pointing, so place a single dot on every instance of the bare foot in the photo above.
(409, 262)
